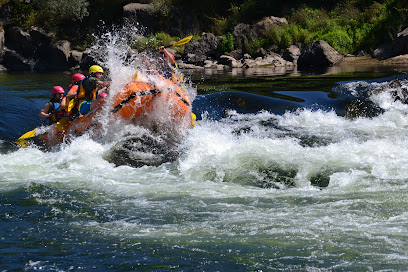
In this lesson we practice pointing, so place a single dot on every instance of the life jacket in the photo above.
(53, 109)
(71, 102)
(86, 95)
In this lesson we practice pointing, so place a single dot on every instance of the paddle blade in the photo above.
(23, 143)
(181, 42)
(27, 135)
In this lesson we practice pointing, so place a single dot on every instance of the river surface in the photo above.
(300, 173)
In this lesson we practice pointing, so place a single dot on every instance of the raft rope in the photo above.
(142, 93)
(133, 95)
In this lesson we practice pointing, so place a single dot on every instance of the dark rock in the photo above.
(75, 58)
(142, 14)
(318, 54)
(236, 54)
(292, 53)
(401, 43)
(383, 51)
(198, 51)
(242, 33)
(57, 58)
(15, 62)
(260, 53)
(40, 36)
(175, 32)
(361, 53)
(264, 26)
(19, 41)
(229, 61)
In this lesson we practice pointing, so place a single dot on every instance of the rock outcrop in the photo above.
(318, 54)
(401, 43)
(198, 51)
(35, 50)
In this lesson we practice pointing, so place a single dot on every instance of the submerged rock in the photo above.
(137, 151)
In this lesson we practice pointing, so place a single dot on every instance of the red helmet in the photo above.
(77, 77)
(57, 90)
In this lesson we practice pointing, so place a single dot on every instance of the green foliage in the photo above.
(311, 19)
(23, 14)
(227, 44)
(155, 41)
(339, 40)
(347, 25)
(254, 44)
(72, 10)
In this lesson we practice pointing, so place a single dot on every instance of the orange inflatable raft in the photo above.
(154, 106)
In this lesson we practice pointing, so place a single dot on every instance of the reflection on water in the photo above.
(345, 67)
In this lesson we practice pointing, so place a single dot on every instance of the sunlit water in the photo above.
(307, 190)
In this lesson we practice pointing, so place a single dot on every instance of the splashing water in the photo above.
(219, 206)
(123, 65)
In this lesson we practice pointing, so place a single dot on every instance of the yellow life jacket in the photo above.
(84, 95)
(70, 102)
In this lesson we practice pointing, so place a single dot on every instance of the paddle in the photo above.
(22, 141)
(31, 133)
(180, 42)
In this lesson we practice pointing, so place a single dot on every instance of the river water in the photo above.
(290, 180)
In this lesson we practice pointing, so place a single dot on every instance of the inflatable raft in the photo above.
(161, 105)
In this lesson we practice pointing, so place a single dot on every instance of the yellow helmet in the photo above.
(95, 69)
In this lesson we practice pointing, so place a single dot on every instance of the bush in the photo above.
(63, 10)
(23, 14)
(339, 40)
(254, 44)
(227, 44)
(284, 36)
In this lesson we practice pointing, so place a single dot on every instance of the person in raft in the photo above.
(169, 57)
(68, 102)
(51, 108)
(90, 88)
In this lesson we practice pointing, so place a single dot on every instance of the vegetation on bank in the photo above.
(347, 25)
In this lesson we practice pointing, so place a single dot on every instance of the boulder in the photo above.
(75, 58)
(19, 41)
(260, 53)
(57, 56)
(40, 36)
(249, 63)
(236, 54)
(188, 66)
(140, 14)
(401, 43)
(291, 54)
(209, 63)
(319, 54)
(229, 61)
(15, 62)
(198, 51)
(264, 26)
(87, 61)
(242, 34)
(383, 51)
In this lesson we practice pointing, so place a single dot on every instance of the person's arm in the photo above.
(168, 55)
(103, 84)
(44, 112)
(102, 90)
(63, 104)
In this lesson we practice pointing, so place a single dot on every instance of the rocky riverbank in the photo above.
(37, 50)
